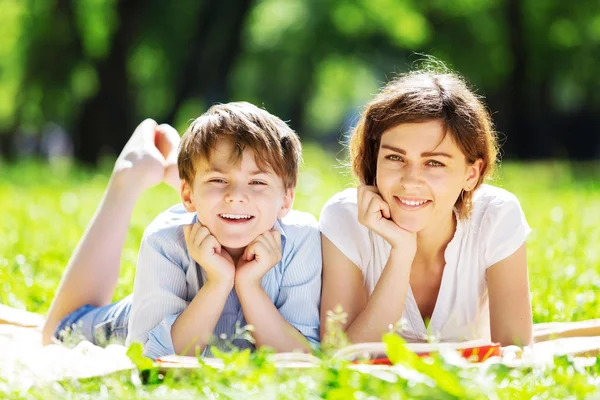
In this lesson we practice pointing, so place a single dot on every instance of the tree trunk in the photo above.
(520, 140)
(213, 51)
(105, 121)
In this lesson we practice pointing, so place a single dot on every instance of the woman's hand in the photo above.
(374, 213)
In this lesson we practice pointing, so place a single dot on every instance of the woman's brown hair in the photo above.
(418, 97)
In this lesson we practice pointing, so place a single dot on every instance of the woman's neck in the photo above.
(433, 240)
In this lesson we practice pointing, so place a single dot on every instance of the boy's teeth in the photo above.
(413, 203)
(236, 216)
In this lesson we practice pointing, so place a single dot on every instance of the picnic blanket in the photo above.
(25, 362)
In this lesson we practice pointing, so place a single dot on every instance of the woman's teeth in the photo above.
(413, 202)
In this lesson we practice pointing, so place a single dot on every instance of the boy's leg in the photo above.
(92, 273)
(99, 325)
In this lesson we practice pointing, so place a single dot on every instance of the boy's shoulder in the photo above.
(168, 223)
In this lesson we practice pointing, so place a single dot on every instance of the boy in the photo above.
(233, 252)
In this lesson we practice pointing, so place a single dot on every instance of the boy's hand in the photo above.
(374, 213)
(259, 257)
(204, 248)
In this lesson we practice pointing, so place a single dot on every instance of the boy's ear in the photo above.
(288, 202)
(186, 196)
(473, 173)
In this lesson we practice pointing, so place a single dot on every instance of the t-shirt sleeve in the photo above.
(339, 223)
(506, 228)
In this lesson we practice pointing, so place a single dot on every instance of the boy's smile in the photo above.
(237, 202)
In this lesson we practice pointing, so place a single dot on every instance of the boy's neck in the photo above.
(433, 240)
(235, 254)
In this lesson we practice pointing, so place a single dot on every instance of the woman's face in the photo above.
(421, 173)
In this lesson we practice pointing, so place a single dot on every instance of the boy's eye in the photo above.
(217, 180)
(257, 183)
(434, 163)
(394, 157)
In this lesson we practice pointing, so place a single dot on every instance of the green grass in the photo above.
(45, 209)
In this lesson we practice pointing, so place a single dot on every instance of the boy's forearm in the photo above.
(270, 328)
(195, 326)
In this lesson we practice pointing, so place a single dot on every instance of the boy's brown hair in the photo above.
(276, 146)
(418, 97)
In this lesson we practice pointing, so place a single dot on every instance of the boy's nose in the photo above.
(235, 194)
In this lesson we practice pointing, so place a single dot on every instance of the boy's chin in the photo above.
(234, 243)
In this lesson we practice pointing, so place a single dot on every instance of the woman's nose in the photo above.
(411, 175)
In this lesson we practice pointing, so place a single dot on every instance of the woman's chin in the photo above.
(411, 225)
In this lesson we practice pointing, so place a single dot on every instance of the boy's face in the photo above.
(237, 203)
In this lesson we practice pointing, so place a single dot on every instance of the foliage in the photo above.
(313, 62)
(45, 208)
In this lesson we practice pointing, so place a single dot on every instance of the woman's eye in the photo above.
(434, 163)
(394, 157)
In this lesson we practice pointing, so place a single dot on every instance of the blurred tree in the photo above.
(97, 67)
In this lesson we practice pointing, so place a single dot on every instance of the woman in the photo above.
(422, 239)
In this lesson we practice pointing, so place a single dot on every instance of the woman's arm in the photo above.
(368, 317)
(510, 302)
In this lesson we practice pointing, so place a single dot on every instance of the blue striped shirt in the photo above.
(167, 279)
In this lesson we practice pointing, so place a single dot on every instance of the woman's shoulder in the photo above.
(492, 202)
(492, 196)
(340, 212)
(339, 223)
(346, 196)
(499, 223)
(343, 203)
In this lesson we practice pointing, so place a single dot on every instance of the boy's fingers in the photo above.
(186, 233)
(250, 252)
(272, 237)
(190, 232)
(211, 242)
(276, 237)
(202, 233)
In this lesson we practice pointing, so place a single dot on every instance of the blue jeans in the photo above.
(98, 325)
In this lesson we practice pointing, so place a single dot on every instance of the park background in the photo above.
(77, 76)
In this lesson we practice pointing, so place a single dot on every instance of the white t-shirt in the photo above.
(495, 230)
